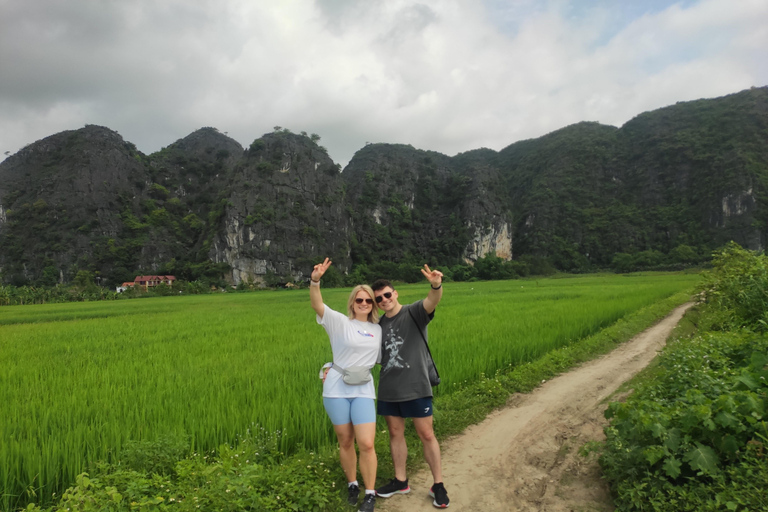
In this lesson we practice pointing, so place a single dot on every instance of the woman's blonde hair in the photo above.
(373, 316)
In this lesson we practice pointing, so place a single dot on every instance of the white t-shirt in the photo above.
(353, 343)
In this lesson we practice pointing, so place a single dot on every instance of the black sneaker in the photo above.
(354, 492)
(394, 486)
(440, 494)
(369, 503)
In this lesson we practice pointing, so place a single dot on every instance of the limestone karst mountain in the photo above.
(692, 175)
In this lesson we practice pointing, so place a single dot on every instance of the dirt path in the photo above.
(524, 457)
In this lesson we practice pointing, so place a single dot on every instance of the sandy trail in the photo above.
(524, 457)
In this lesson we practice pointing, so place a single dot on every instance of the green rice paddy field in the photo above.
(79, 380)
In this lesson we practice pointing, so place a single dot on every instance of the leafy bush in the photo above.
(648, 259)
(736, 288)
(538, 265)
(462, 272)
(155, 457)
(333, 278)
(693, 437)
(690, 426)
(158, 191)
(680, 257)
(491, 266)
(251, 475)
(684, 254)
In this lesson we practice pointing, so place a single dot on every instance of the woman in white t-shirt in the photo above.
(355, 341)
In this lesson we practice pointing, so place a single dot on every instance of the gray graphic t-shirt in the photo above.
(404, 358)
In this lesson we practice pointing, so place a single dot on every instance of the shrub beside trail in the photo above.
(693, 435)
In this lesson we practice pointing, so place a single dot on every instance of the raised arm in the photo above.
(315, 297)
(435, 278)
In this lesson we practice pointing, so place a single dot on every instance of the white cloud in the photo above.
(445, 75)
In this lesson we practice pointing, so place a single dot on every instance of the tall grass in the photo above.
(482, 328)
(78, 381)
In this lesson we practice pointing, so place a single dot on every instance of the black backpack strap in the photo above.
(425, 341)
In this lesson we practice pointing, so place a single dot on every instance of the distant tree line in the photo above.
(85, 287)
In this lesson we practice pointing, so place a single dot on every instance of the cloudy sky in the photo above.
(443, 75)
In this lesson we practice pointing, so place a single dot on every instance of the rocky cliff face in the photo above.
(60, 194)
(284, 211)
(487, 211)
(692, 174)
(422, 206)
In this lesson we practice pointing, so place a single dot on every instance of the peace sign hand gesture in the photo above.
(320, 269)
(435, 277)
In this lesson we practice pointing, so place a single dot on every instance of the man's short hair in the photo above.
(380, 284)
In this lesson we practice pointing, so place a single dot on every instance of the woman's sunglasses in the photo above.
(360, 301)
(385, 295)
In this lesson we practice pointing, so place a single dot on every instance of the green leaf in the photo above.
(758, 361)
(690, 420)
(673, 439)
(747, 381)
(726, 419)
(672, 467)
(657, 429)
(755, 406)
(703, 459)
(653, 454)
(729, 445)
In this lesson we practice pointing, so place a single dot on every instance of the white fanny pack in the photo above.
(354, 375)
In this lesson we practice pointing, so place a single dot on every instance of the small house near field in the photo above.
(147, 282)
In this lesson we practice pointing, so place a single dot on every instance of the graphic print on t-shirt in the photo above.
(392, 344)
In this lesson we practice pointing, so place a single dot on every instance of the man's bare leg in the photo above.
(431, 447)
(397, 445)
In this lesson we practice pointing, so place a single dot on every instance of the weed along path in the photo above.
(524, 457)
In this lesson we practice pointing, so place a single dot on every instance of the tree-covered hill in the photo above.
(699, 169)
(692, 174)
(562, 189)
(667, 187)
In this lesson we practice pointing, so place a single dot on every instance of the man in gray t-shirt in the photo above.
(404, 388)
(404, 356)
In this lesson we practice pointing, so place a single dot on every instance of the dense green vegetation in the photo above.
(587, 193)
(693, 435)
(89, 381)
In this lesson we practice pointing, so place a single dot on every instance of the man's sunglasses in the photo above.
(360, 301)
(385, 295)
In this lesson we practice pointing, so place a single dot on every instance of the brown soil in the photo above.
(525, 457)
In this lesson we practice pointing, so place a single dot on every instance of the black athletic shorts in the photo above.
(418, 408)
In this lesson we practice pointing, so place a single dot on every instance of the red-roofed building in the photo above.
(148, 281)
